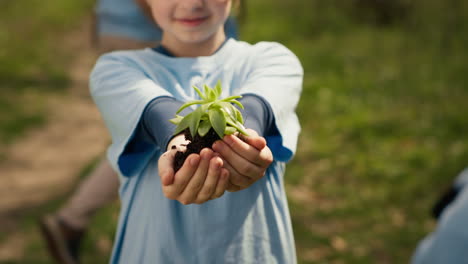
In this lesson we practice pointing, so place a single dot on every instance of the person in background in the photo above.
(119, 25)
(448, 243)
(185, 216)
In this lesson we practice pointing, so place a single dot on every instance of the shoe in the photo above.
(63, 241)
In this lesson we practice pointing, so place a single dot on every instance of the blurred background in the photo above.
(383, 112)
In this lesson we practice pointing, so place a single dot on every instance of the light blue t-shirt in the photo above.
(249, 226)
(124, 18)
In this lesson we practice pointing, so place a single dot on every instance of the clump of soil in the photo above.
(195, 146)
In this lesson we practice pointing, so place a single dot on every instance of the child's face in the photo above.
(190, 21)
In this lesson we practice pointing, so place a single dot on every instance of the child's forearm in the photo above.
(154, 126)
(258, 114)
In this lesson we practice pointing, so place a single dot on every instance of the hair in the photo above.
(239, 9)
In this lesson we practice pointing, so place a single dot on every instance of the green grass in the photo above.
(384, 126)
(384, 130)
(33, 59)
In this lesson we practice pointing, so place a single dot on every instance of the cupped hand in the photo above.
(200, 179)
(245, 157)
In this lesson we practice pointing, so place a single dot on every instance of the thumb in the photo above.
(167, 178)
(165, 167)
(257, 142)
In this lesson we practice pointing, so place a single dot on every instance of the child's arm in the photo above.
(200, 179)
(276, 80)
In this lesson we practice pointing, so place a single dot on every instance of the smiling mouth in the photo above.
(192, 22)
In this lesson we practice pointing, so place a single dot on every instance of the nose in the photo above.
(193, 5)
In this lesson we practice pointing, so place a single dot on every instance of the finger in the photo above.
(267, 156)
(195, 184)
(232, 188)
(244, 165)
(209, 187)
(183, 176)
(166, 167)
(240, 147)
(237, 178)
(222, 184)
(258, 142)
(253, 139)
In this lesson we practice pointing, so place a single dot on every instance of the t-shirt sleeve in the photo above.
(121, 91)
(277, 76)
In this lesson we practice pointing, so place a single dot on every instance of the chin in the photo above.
(195, 38)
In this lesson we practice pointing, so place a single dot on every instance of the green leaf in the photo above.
(183, 124)
(218, 121)
(176, 120)
(232, 111)
(189, 104)
(207, 89)
(237, 125)
(239, 116)
(221, 114)
(195, 121)
(205, 107)
(211, 94)
(229, 130)
(202, 96)
(218, 89)
(228, 99)
(237, 103)
(231, 99)
(204, 127)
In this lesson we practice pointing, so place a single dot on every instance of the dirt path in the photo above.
(47, 161)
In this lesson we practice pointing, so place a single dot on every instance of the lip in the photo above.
(192, 22)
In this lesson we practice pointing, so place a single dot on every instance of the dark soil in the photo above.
(195, 146)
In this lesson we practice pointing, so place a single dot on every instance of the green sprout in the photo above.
(219, 114)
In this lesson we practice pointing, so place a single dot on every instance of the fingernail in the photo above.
(194, 161)
(206, 154)
(216, 165)
(228, 140)
(218, 146)
(224, 175)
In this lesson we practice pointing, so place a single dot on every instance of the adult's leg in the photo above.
(64, 231)
(97, 190)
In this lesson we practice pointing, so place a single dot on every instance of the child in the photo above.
(120, 25)
(137, 91)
